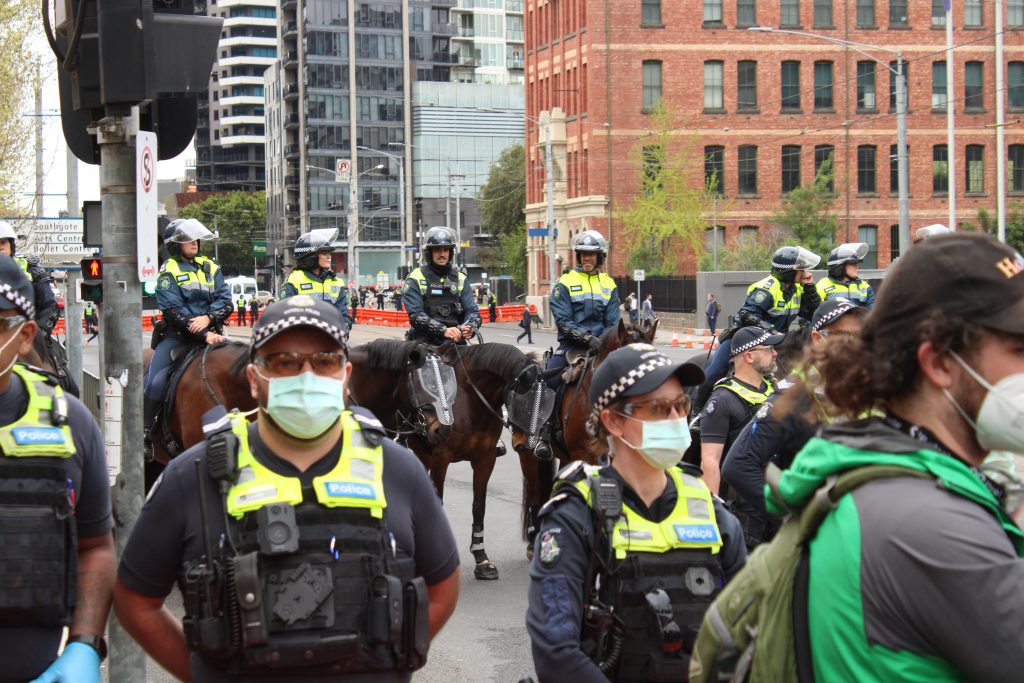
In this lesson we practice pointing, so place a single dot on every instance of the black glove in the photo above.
(593, 344)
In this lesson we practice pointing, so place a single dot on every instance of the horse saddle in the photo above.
(577, 364)
(181, 356)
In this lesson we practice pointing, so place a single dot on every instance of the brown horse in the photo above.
(484, 373)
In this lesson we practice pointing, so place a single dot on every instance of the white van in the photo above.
(241, 286)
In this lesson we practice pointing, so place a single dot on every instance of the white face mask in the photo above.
(1000, 422)
(662, 442)
(4, 348)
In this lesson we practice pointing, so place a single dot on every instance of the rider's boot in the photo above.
(149, 412)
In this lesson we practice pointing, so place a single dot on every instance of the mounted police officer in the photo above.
(772, 303)
(313, 274)
(193, 298)
(629, 556)
(584, 301)
(57, 556)
(439, 303)
(308, 547)
(47, 311)
(843, 279)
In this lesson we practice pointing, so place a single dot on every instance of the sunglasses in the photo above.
(657, 408)
(290, 363)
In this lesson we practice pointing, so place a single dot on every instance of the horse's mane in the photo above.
(503, 360)
(238, 367)
(388, 354)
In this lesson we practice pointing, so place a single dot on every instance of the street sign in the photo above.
(382, 280)
(113, 402)
(638, 275)
(343, 170)
(259, 248)
(145, 205)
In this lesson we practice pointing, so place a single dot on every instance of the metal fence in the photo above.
(670, 294)
(92, 394)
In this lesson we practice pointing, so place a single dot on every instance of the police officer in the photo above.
(194, 300)
(47, 311)
(772, 303)
(843, 279)
(736, 398)
(584, 301)
(439, 303)
(313, 274)
(308, 546)
(57, 555)
(628, 556)
(786, 421)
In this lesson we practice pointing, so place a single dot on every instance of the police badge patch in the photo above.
(710, 407)
(759, 296)
(549, 548)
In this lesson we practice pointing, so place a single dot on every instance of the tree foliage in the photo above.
(667, 216)
(513, 253)
(240, 218)
(749, 254)
(18, 22)
(1014, 225)
(807, 215)
(503, 196)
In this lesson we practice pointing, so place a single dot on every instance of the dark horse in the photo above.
(484, 373)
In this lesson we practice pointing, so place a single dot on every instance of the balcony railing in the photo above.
(514, 63)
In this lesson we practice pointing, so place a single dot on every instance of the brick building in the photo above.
(766, 110)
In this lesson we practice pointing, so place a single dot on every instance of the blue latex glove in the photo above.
(79, 664)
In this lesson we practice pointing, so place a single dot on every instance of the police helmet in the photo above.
(931, 231)
(7, 233)
(311, 244)
(850, 252)
(787, 260)
(589, 242)
(438, 237)
(182, 230)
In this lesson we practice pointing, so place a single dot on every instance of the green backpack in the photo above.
(756, 630)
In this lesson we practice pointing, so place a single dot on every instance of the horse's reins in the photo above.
(206, 382)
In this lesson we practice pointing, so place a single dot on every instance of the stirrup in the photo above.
(500, 449)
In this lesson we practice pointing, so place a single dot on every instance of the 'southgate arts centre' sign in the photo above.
(53, 237)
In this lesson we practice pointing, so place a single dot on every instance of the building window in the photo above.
(892, 85)
(790, 168)
(869, 235)
(894, 242)
(791, 86)
(746, 13)
(713, 86)
(940, 170)
(714, 168)
(822, 13)
(866, 169)
(1015, 13)
(894, 169)
(972, 14)
(865, 85)
(748, 169)
(939, 95)
(712, 11)
(938, 13)
(790, 13)
(973, 81)
(652, 84)
(746, 85)
(825, 154)
(749, 234)
(1015, 85)
(866, 13)
(650, 13)
(710, 233)
(1015, 167)
(898, 13)
(823, 85)
(975, 171)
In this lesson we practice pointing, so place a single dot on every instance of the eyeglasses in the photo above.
(769, 349)
(838, 333)
(10, 322)
(289, 363)
(657, 408)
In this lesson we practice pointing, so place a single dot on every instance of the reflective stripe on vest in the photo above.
(581, 286)
(751, 396)
(356, 481)
(189, 280)
(856, 291)
(32, 435)
(325, 290)
(421, 279)
(691, 525)
(780, 306)
(23, 264)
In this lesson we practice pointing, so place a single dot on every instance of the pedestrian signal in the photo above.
(92, 268)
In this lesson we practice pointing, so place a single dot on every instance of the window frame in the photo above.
(937, 84)
(745, 89)
(896, 21)
(974, 7)
(790, 167)
(974, 95)
(786, 101)
(894, 242)
(830, 108)
(974, 169)
(867, 175)
(870, 261)
(820, 158)
(789, 7)
(650, 7)
(937, 179)
(1015, 91)
(866, 5)
(647, 101)
(714, 162)
(743, 6)
(867, 85)
(938, 20)
(719, 88)
(823, 6)
(746, 167)
(712, 6)
(1015, 172)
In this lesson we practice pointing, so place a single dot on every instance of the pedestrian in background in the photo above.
(648, 312)
(527, 324)
(357, 300)
(380, 300)
(711, 313)
(240, 306)
(633, 308)
(492, 308)
(92, 321)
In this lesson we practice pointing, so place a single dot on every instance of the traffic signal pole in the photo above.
(121, 360)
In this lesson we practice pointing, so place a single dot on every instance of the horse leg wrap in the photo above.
(484, 569)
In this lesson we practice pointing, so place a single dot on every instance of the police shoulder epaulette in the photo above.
(373, 430)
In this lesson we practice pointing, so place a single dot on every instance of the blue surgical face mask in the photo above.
(662, 442)
(305, 405)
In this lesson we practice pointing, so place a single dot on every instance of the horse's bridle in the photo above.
(206, 382)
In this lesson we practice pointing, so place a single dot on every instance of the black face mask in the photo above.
(440, 270)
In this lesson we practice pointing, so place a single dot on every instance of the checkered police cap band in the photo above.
(264, 333)
(23, 304)
(628, 380)
(753, 343)
(826, 319)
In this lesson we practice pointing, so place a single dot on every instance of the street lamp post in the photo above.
(353, 216)
(401, 187)
(901, 116)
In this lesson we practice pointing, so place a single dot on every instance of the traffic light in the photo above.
(90, 291)
(90, 287)
(92, 268)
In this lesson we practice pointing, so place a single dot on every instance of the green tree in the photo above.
(503, 196)
(240, 218)
(807, 215)
(513, 254)
(1014, 225)
(750, 254)
(18, 19)
(666, 217)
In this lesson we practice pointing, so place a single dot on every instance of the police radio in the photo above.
(608, 499)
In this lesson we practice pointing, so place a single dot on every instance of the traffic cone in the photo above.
(675, 338)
